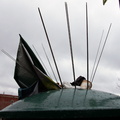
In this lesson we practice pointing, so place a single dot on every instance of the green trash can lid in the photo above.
(65, 103)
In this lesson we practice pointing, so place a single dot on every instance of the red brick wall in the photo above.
(6, 100)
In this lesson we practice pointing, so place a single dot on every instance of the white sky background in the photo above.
(22, 17)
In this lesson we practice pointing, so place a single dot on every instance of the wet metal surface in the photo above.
(66, 103)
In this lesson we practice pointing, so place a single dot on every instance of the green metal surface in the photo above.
(66, 103)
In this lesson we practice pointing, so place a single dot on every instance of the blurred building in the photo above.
(6, 100)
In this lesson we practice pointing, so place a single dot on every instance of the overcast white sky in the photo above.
(21, 17)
